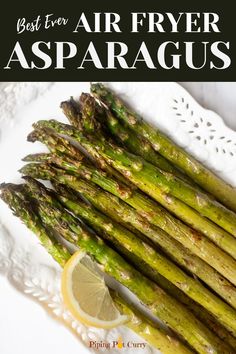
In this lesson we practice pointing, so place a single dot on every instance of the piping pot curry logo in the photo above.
(118, 344)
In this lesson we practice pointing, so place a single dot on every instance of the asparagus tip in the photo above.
(32, 136)
(8, 186)
(29, 179)
(95, 86)
(70, 105)
(8, 191)
(39, 157)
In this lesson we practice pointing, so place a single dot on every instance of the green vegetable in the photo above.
(160, 304)
(102, 199)
(86, 120)
(174, 205)
(161, 218)
(154, 334)
(163, 145)
(23, 209)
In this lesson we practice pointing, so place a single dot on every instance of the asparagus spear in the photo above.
(199, 311)
(187, 259)
(161, 143)
(57, 144)
(85, 119)
(72, 116)
(203, 315)
(184, 212)
(162, 282)
(99, 198)
(75, 114)
(112, 230)
(155, 182)
(23, 209)
(38, 157)
(123, 238)
(160, 304)
(195, 198)
(65, 162)
(118, 234)
(155, 213)
(153, 333)
(194, 241)
(216, 234)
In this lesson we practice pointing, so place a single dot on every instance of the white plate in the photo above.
(23, 262)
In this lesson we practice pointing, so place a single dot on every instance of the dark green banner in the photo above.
(109, 41)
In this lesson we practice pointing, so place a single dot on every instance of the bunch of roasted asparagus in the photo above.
(164, 225)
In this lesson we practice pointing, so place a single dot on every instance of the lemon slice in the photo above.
(86, 295)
